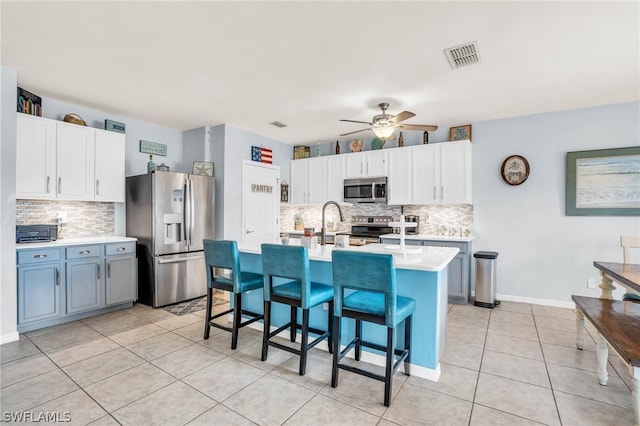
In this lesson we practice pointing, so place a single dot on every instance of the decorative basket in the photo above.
(74, 119)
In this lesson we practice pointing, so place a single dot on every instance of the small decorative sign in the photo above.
(28, 103)
(284, 192)
(203, 168)
(153, 148)
(263, 155)
(114, 126)
(261, 188)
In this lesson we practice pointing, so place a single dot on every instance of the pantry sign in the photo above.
(154, 148)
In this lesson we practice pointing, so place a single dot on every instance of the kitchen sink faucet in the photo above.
(323, 231)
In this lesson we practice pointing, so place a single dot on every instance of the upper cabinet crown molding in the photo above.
(63, 161)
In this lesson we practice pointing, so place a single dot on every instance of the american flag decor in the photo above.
(263, 155)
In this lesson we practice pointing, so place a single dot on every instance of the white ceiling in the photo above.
(309, 64)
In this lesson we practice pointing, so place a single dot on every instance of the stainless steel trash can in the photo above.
(486, 279)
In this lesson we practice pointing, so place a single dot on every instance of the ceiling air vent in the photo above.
(465, 54)
(278, 124)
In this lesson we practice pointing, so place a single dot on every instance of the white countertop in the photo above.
(427, 237)
(432, 259)
(63, 242)
(301, 232)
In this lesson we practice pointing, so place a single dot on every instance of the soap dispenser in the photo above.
(151, 166)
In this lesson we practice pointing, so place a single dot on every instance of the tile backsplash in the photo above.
(431, 216)
(84, 219)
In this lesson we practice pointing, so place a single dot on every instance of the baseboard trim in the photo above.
(9, 337)
(535, 301)
(375, 359)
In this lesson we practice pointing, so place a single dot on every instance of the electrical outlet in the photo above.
(591, 283)
(62, 217)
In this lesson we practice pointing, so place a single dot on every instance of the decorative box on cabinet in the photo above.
(459, 269)
(62, 284)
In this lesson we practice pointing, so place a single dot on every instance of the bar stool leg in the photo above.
(336, 351)
(388, 374)
(237, 317)
(407, 345)
(294, 322)
(267, 329)
(330, 327)
(207, 319)
(305, 341)
(358, 339)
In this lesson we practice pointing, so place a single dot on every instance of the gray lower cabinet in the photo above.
(39, 275)
(459, 268)
(56, 285)
(120, 279)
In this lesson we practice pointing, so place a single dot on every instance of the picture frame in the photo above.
(202, 168)
(460, 133)
(603, 182)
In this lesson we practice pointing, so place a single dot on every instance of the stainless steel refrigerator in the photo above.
(170, 214)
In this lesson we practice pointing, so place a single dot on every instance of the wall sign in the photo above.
(261, 188)
(114, 126)
(153, 148)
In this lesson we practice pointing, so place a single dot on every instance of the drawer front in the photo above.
(120, 248)
(459, 245)
(29, 257)
(81, 252)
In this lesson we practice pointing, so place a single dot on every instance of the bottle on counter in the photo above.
(151, 166)
(400, 140)
(425, 137)
(337, 147)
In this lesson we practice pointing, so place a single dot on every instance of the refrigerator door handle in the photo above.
(192, 211)
(185, 203)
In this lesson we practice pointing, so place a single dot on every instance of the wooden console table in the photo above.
(617, 323)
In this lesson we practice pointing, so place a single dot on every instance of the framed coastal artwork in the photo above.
(460, 133)
(603, 182)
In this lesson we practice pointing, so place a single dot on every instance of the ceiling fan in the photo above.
(383, 125)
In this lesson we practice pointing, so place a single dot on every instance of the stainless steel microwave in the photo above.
(365, 190)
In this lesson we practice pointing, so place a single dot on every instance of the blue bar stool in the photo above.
(373, 278)
(224, 254)
(292, 263)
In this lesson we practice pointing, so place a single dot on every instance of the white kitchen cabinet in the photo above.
(366, 164)
(335, 178)
(109, 166)
(74, 165)
(63, 161)
(308, 181)
(430, 174)
(35, 157)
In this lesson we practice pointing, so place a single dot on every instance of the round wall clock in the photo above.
(515, 169)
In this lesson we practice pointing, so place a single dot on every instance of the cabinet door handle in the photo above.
(97, 186)
(48, 182)
(39, 256)
(442, 192)
(108, 269)
(57, 276)
(434, 192)
(367, 168)
(85, 252)
(59, 185)
(98, 266)
(121, 249)
(361, 168)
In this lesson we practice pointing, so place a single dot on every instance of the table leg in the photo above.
(635, 392)
(602, 354)
(607, 287)
(579, 329)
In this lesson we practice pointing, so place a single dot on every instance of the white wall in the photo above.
(8, 287)
(544, 254)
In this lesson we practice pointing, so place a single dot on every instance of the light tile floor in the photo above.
(515, 365)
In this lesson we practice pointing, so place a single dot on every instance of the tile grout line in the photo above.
(475, 390)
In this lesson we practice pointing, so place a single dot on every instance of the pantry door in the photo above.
(260, 202)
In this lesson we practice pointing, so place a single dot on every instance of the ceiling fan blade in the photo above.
(426, 127)
(355, 121)
(357, 131)
(404, 115)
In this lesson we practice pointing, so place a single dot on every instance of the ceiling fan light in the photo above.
(384, 131)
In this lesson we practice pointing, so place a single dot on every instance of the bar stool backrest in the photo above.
(222, 254)
(364, 272)
(290, 262)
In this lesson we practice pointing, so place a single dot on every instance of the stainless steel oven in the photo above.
(368, 229)
(365, 190)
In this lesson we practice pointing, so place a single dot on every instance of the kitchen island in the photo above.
(420, 275)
